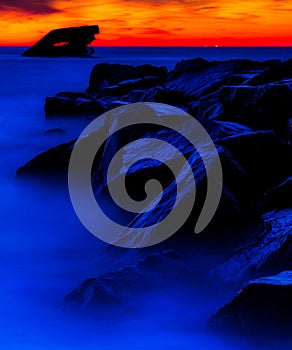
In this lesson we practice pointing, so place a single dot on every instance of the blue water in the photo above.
(44, 250)
(168, 55)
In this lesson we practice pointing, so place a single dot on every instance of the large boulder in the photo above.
(260, 107)
(262, 308)
(263, 156)
(194, 82)
(73, 104)
(188, 66)
(104, 74)
(107, 74)
(268, 251)
(277, 72)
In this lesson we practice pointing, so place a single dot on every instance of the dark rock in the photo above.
(207, 107)
(124, 87)
(279, 71)
(195, 78)
(249, 66)
(247, 70)
(136, 96)
(262, 308)
(106, 74)
(55, 130)
(55, 160)
(115, 104)
(198, 82)
(65, 42)
(122, 285)
(253, 162)
(158, 94)
(260, 107)
(142, 171)
(188, 66)
(73, 103)
(220, 130)
(234, 199)
(265, 159)
(278, 197)
(107, 289)
(268, 251)
(241, 78)
(289, 132)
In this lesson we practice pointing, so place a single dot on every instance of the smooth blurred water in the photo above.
(45, 252)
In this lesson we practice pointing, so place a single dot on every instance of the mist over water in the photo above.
(45, 252)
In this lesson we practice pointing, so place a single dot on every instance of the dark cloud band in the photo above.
(29, 6)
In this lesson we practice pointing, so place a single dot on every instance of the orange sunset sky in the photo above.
(153, 22)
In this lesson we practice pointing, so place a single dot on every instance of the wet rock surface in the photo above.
(269, 250)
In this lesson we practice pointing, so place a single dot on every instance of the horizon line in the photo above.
(169, 46)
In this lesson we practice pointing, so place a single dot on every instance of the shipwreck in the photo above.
(73, 42)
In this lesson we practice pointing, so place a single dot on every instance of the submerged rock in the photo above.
(121, 286)
(55, 130)
(53, 161)
(262, 308)
(72, 41)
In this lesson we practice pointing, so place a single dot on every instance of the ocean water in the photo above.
(44, 250)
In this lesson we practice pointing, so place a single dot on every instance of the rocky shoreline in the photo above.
(246, 107)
